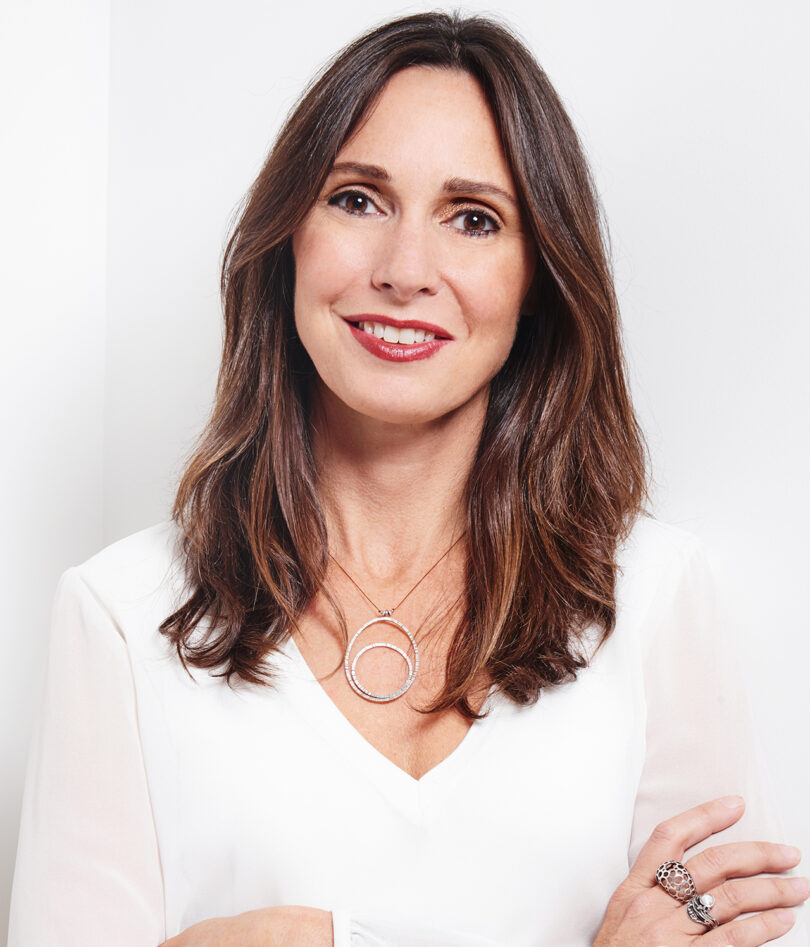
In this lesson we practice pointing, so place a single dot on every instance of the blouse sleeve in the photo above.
(700, 740)
(372, 931)
(88, 871)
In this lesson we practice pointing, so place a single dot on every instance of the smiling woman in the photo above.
(411, 665)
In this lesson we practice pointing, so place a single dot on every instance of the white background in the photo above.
(131, 130)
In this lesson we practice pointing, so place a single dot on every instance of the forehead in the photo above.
(431, 122)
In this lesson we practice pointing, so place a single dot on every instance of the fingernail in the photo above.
(733, 802)
(786, 917)
(802, 885)
(790, 851)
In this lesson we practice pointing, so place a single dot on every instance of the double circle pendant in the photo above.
(351, 666)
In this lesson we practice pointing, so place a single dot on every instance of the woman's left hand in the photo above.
(287, 926)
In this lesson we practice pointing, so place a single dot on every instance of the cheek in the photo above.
(493, 293)
(326, 264)
(327, 269)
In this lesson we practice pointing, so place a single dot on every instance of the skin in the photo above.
(394, 443)
(642, 914)
(287, 926)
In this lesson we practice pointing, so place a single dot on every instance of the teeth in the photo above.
(405, 336)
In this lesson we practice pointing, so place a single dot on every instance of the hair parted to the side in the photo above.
(561, 471)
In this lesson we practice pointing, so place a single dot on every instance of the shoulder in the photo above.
(141, 572)
(652, 546)
(660, 562)
(135, 564)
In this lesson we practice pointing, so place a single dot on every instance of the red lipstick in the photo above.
(396, 351)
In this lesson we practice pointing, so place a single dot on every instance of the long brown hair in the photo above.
(560, 473)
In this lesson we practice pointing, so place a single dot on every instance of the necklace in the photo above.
(350, 666)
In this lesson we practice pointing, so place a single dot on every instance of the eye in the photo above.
(353, 202)
(476, 222)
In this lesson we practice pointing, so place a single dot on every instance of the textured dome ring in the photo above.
(676, 881)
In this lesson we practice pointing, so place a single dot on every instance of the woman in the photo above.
(306, 710)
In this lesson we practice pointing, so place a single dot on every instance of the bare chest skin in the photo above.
(413, 741)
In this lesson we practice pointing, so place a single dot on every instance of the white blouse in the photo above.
(154, 800)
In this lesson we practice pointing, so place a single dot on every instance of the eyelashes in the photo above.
(337, 200)
(357, 203)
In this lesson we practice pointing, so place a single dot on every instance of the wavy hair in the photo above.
(561, 469)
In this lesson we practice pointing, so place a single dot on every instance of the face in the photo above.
(412, 265)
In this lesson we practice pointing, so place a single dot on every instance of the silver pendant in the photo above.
(350, 668)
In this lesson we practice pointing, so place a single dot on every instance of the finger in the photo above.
(671, 838)
(717, 864)
(744, 896)
(751, 931)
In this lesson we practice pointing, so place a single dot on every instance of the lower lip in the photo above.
(393, 351)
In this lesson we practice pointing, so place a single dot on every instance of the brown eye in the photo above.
(476, 223)
(353, 202)
(357, 203)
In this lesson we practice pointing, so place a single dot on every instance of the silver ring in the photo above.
(676, 881)
(698, 910)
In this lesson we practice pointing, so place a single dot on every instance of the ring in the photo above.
(676, 881)
(698, 910)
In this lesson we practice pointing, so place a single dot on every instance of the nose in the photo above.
(406, 263)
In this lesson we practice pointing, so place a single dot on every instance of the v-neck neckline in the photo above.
(415, 796)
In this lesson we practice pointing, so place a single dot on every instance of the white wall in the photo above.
(694, 115)
(53, 191)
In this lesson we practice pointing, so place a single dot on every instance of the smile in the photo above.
(396, 341)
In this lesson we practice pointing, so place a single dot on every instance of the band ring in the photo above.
(698, 910)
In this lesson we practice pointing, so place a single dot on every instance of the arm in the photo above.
(295, 926)
(700, 743)
(286, 926)
(88, 870)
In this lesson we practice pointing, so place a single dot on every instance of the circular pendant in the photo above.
(350, 668)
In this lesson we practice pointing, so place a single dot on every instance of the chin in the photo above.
(397, 403)
(401, 408)
(401, 413)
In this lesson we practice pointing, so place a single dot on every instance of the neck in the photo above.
(392, 494)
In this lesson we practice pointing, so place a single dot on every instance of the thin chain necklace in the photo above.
(384, 619)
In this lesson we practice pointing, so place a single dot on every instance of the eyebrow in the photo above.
(451, 186)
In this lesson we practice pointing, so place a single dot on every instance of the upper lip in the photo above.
(399, 323)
